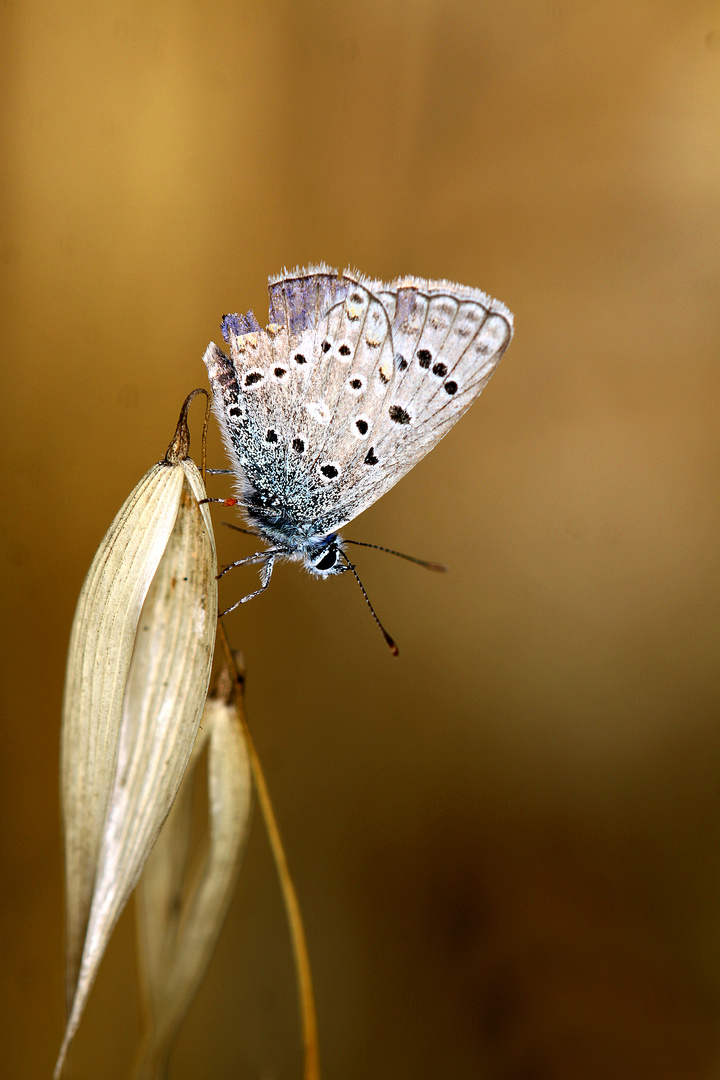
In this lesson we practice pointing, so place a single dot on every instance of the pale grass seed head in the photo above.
(139, 663)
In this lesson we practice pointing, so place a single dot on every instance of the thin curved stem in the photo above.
(308, 1015)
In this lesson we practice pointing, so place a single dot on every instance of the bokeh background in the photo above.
(506, 842)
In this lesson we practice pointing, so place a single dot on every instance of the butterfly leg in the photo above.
(257, 557)
(265, 575)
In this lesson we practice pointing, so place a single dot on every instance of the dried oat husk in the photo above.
(181, 912)
(139, 662)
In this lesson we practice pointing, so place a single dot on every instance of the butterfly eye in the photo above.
(424, 358)
(344, 350)
(328, 561)
(298, 445)
(355, 384)
(440, 370)
(329, 471)
(450, 388)
(362, 425)
(253, 377)
(280, 372)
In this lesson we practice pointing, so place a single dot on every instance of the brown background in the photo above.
(507, 842)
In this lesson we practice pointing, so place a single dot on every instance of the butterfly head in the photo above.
(326, 557)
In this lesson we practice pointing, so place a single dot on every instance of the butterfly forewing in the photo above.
(444, 348)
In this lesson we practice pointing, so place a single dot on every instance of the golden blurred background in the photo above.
(506, 842)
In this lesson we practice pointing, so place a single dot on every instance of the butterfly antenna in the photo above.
(391, 644)
(239, 528)
(410, 558)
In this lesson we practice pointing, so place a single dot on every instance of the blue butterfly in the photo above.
(350, 385)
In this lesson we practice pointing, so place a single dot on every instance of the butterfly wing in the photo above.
(446, 341)
(351, 385)
(277, 399)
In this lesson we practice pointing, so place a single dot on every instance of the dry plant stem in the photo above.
(311, 1069)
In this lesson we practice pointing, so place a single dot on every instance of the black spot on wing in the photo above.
(398, 414)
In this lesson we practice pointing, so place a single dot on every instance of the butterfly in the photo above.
(352, 382)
